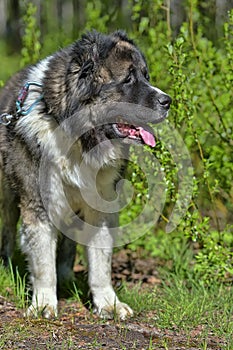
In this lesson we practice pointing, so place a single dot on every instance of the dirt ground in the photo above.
(77, 328)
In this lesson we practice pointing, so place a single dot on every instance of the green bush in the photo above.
(200, 83)
(31, 39)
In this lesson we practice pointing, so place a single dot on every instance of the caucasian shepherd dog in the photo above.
(94, 93)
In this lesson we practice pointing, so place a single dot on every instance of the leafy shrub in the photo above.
(31, 38)
(200, 83)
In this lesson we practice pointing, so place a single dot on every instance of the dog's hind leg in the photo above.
(9, 218)
(65, 261)
(38, 242)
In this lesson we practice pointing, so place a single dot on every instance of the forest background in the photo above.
(188, 46)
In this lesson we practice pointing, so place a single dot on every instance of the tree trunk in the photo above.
(78, 16)
(59, 14)
(222, 7)
(3, 11)
(13, 26)
(177, 15)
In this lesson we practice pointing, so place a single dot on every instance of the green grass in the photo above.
(13, 286)
(176, 306)
(6, 282)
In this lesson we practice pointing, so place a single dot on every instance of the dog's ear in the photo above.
(90, 64)
(88, 53)
(86, 48)
(84, 74)
(94, 53)
(86, 77)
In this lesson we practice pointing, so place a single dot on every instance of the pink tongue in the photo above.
(147, 137)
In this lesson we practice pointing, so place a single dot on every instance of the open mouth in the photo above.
(135, 133)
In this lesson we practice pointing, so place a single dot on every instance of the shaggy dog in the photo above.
(67, 125)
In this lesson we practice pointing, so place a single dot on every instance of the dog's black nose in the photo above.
(165, 101)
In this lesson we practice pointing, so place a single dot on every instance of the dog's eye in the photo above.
(146, 75)
(129, 78)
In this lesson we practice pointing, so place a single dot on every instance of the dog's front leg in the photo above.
(99, 253)
(38, 242)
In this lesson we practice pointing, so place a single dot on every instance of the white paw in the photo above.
(45, 311)
(44, 304)
(119, 310)
(108, 306)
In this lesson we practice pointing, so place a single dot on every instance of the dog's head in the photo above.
(108, 77)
